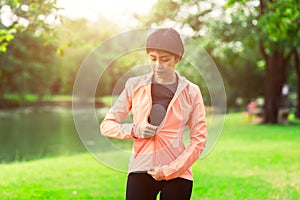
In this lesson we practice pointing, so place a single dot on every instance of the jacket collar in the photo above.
(182, 82)
(147, 80)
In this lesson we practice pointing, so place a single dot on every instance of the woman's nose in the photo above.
(158, 64)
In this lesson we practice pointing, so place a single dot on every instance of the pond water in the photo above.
(36, 132)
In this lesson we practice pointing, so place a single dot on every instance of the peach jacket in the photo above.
(166, 148)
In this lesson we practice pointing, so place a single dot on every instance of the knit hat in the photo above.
(166, 39)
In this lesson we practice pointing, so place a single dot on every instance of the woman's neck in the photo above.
(166, 80)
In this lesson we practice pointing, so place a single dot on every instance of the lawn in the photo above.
(249, 162)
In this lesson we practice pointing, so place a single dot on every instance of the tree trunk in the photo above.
(275, 76)
(297, 66)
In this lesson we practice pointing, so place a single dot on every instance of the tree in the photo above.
(77, 45)
(27, 66)
(35, 16)
(297, 68)
(26, 45)
(275, 30)
(278, 35)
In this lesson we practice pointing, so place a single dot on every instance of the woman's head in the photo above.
(165, 39)
(165, 49)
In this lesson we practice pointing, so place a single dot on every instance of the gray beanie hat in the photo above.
(166, 39)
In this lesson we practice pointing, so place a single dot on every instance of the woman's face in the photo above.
(162, 63)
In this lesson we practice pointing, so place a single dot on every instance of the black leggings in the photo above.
(141, 186)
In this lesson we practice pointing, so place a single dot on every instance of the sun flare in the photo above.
(117, 11)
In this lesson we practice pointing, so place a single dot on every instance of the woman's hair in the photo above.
(165, 39)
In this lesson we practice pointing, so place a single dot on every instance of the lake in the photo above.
(37, 132)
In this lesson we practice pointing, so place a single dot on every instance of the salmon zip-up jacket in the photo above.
(166, 147)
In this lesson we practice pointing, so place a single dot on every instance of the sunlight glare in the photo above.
(117, 11)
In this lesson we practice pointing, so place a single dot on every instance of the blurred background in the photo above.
(255, 45)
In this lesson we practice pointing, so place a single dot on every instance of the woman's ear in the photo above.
(177, 59)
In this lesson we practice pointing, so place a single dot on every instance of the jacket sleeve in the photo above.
(112, 125)
(198, 134)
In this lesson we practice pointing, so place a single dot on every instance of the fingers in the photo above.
(151, 172)
(156, 173)
(151, 128)
(147, 130)
(148, 126)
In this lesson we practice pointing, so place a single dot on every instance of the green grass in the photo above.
(73, 177)
(19, 98)
(255, 162)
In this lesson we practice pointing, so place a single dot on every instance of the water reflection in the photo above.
(36, 132)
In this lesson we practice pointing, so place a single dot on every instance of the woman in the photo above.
(163, 104)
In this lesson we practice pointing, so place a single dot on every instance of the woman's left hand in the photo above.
(157, 173)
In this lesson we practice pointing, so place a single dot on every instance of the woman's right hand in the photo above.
(144, 130)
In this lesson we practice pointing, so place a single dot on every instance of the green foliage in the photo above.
(277, 23)
(5, 37)
(27, 47)
(36, 17)
(163, 9)
(38, 64)
(282, 17)
(76, 45)
(26, 65)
